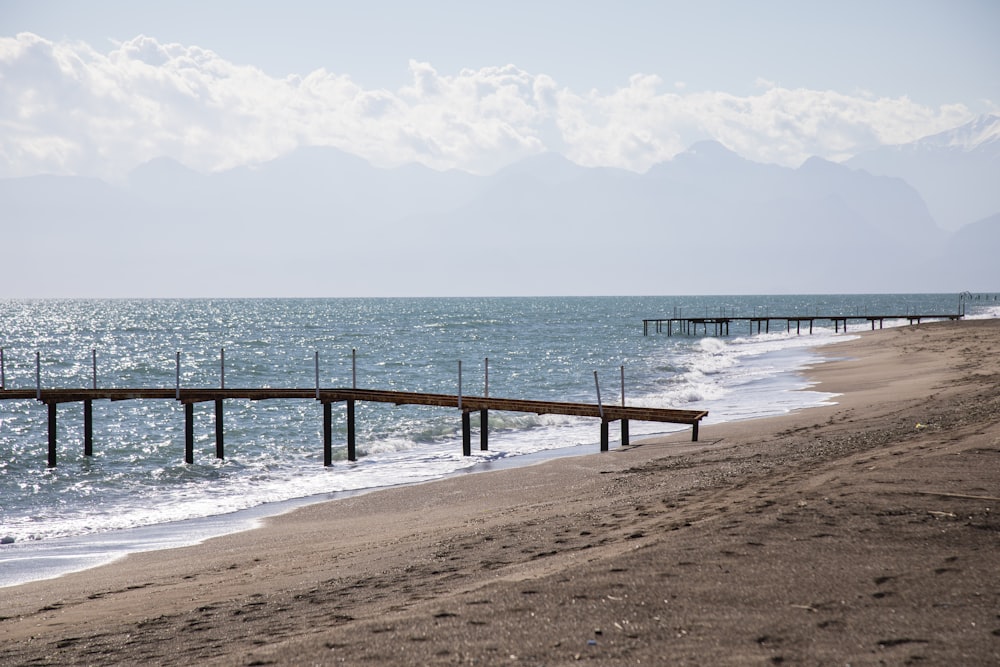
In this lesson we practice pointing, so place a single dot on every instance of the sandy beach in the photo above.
(861, 533)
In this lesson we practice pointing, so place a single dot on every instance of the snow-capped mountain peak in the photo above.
(981, 131)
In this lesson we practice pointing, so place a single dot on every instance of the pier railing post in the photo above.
(466, 426)
(597, 385)
(600, 409)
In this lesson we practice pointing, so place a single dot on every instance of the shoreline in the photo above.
(857, 532)
(38, 560)
(73, 554)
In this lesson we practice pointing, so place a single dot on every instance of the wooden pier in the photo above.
(720, 325)
(466, 404)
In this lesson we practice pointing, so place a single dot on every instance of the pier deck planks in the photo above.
(199, 395)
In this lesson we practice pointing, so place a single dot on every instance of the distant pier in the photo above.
(720, 326)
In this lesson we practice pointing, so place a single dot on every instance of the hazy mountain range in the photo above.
(319, 222)
(956, 172)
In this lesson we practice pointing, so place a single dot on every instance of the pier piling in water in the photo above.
(327, 434)
(220, 430)
(52, 434)
(88, 427)
(466, 434)
(189, 433)
(351, 444)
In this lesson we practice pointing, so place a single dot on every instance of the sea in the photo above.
(136, 492)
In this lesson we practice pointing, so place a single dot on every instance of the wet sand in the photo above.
(860, 533)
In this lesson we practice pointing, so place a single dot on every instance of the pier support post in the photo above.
(88, 427)
(327, 435)
(52, 434)
(189, 433)
(694, 432)
(219, 429)
(604, 435)
(624, 432)
(466, 434)
(484, 430)
(351, 445)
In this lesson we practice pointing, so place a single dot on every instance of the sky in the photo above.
(97, 88)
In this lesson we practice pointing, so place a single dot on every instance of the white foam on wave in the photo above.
(745, 378)
(978, 312)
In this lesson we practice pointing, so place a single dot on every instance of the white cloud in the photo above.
(67, 108)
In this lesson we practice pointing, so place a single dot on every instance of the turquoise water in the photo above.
(538, 348)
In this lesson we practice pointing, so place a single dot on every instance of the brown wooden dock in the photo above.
(720, 325)
(327, 396)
